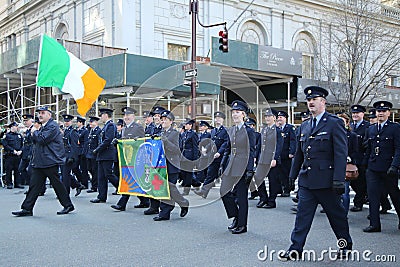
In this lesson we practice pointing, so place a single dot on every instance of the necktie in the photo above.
(314, 123)
(379, 127)
(355, 126)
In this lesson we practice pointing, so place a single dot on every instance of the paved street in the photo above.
(95, 235)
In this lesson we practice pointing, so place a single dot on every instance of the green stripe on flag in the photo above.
(54, 63)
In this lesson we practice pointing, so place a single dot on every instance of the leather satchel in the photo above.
(351, 172)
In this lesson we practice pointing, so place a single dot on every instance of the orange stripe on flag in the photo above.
(93, 85)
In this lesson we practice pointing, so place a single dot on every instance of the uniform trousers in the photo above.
(68, 179)
(92, 168)
(274, 187)
(105, 174)
(84, 171)
(377, 182)
(38, 179)
(284, 168)
(11, 164)
(235, 200)
(360, 187)
(23, 170)
(307, 205)
(166, 206)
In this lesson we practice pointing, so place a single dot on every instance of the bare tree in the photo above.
(360, 47)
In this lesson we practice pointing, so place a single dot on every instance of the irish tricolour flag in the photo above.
(59, 68)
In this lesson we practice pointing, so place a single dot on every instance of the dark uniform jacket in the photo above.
(360, 132)
(12, 141)
(71, 140)
(93, 142)
(134, 130)
(170, 139)
(153, 130)
(257, 148)
(83, 140)
(241, 151)
(271, 142)
(220, 138)
(27, 148)
(352, 145)
(289, 141)
(48, 147)
(190, 145)
(106, 150)
(321, 155)
(383, 148)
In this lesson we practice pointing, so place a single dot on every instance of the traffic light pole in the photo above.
(193, 10)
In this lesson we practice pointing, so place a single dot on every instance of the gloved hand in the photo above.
(95, 151)
(291, 184)
(249, 177)
(70, 161)
(114, 141)
(392, 171)
(338, 187)
(220, 171)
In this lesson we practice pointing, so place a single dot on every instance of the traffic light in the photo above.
(223, 40)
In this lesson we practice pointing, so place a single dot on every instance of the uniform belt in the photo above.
(234, 151)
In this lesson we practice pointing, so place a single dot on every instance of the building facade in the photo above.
(162, 28)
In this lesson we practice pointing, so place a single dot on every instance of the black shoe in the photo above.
(158, 218)
(115, 193)
(290, 255)
(234, 224)
(343, 253)
(141, 206)
(269, 206)
(372, 229)
(356, 209)
(261, 203)
(118, 207)
(26, 192)
(285, 195)
(184, 211)
(22, 213)
(150, 211)
(96, 200)
(78, 191)
(293, 209)
(239, 230)
(322, 211)
(199, 193)
(91, 191)
(65, 210)
(383, 211)
(19, 186)
(295, 199)
(41, 193)
(9, 187)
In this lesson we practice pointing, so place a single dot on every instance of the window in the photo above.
(393, 81)
(11, 41)
(253, 32)
(178, 52)
(305, 45)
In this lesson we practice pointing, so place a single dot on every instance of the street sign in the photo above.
(188, 82)
(188, 66)
(190, 73)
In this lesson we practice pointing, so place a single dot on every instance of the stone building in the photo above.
(274, 50)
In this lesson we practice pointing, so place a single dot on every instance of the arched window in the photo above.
(61, 32)
(306, 45)
(253, 32)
